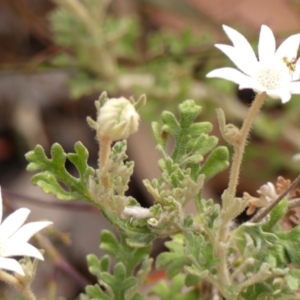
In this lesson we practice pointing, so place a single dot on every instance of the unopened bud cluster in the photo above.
(118, 118)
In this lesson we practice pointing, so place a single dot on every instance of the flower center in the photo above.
(273, 75)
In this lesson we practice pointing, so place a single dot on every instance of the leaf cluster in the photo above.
(131, 268)
(192, 143)
(261, 252)
(273, 250)
(192, 161)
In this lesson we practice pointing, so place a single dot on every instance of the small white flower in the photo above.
(14, 237)
(275, 70)
(267, 192)
(118, 118)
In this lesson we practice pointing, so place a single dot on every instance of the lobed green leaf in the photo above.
(55, 179)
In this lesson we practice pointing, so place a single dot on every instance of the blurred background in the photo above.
(56, 57)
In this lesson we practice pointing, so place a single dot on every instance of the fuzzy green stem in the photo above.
(104, 151)
(221, 240)
(241, 268)
(222, 268)
(261, 276)
(13, 281)
(239, 148)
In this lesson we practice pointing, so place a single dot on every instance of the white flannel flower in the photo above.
(14, 237)
(274, 72)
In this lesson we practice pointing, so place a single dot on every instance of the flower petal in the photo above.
(250, 83)
(296, 73)
(234, 55)
(13, 222)
(22, 249)
(284, 95)
(231, 74)
(294, 87)
(266, 44)
(27, 231)
(11, 265)
(289, 47)
(241, 44)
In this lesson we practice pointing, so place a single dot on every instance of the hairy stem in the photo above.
(221, 240)
(223, 272)
(13, 281)
(242, 267)
(104, 151)
(239, 148)
(262, 275)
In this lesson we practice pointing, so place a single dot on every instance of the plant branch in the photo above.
(262, 275)
(104, 151)
(239, 148)
(293, 203)
(17, 284)
(241, 267)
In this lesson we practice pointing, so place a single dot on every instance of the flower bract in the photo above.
(274, 71)
(118, 118)
(14, 238)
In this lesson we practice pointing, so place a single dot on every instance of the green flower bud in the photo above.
(118, 118)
